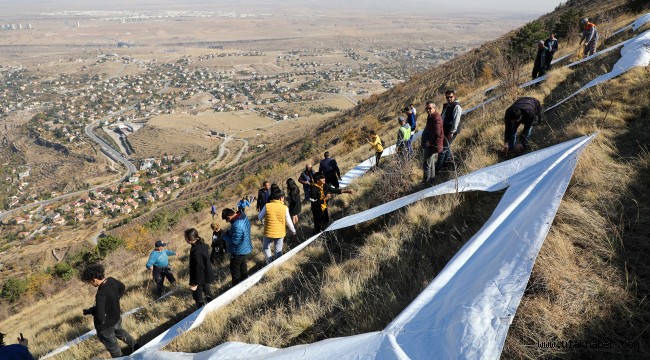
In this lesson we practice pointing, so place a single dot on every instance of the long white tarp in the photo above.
(642, 20)
(635, 52)
(467, 309)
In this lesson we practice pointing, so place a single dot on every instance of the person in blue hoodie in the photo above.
(158, 264)
(16, 351)
(238, 243)
(243, 204)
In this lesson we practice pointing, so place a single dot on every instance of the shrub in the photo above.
(64, 270)
(12, 289)
(37, 282)
(108, 244)
(198, 205)
(523, 42)
(84, 257)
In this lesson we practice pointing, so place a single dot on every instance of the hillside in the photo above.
(590, 280)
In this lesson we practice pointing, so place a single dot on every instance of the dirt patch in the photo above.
(153, 141)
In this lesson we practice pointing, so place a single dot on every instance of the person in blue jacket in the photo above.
(158, 264)
(238, 243)
(243, 204)
(16, 351)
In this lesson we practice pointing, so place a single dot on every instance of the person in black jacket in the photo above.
(106, 312)
(320, 193)
(552, 45)
(527, 111)
(263, 195)
(330, 169)
(218, 245)
(200, 270)
(539, 67)
(294, 200)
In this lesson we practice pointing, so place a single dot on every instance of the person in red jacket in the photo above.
(432, 142)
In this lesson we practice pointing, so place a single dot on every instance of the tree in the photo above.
(525, 38)
(567, 26)
(12, 289)
(108, 244)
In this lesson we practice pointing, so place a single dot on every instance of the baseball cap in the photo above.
(159, 243)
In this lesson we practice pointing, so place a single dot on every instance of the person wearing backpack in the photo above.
(451, 114)
(377, 145)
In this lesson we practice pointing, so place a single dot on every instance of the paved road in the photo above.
(109, 151)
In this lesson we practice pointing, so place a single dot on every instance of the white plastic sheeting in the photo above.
(93, 332)
(363, 167)
(635, 52)
(642, 20)
(467, 309)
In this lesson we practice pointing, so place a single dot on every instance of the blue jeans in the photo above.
(445, 155)
(511, 135)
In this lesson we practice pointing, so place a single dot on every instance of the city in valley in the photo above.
(107, 114)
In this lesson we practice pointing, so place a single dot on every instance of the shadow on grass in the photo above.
(400, 279)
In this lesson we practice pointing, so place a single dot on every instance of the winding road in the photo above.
(105, 149)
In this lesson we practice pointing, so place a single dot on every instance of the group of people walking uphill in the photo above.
(278, 212)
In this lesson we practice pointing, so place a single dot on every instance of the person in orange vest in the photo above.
(276, 218)
(589, 37)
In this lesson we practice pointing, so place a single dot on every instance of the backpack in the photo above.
(383, 144)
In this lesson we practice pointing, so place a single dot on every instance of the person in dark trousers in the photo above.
(589, 37)
(330, 169)
(411, 121)
(293, 200)
(403, 138)
(451, 114)
(552, 45)
(375, 141)
(213, 211)
(106, 312)
(238, 240)
(432, 142)
(18, 351)
(218, 245)
(526, 111)
(263, 195)
(243, 204)
(200, 270)
(539, 68)
(320, 193)
(306, 178)
(158, 264)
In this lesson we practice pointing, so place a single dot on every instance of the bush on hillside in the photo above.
(639, 5)
(64, 271)
(12, 289)
(108, 244)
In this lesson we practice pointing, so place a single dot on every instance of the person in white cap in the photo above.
(589, 37)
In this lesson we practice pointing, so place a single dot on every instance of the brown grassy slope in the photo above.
(588, 279)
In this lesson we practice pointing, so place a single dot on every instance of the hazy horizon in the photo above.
(434, 7)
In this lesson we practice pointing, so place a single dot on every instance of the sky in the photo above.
(536, 7)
